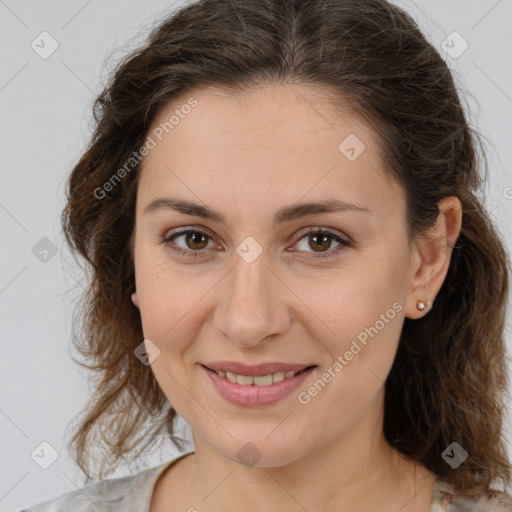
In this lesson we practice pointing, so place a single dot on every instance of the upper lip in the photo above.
(257, 369)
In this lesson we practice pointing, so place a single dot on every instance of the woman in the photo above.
(280, 209)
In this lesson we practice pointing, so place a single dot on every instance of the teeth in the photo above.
(264, 380)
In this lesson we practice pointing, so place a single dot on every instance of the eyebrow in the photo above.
(284, 215)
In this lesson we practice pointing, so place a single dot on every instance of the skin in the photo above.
(247, 156)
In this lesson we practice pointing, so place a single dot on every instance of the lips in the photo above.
(256, 370)
(243, 395)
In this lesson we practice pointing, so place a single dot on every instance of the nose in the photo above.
(255, 303)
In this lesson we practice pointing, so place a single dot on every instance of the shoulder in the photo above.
(445, 499)
(106, 495)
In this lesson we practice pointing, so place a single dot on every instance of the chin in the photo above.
(261, 453)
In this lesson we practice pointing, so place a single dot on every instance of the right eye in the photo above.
(192, 237)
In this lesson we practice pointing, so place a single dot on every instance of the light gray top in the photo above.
(133, 494)
(127, 494)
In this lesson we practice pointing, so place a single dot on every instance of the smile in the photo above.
(256, 391)
(264, 380)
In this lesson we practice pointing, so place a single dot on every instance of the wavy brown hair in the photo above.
(448, 381)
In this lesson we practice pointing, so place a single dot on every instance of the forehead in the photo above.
(266, 144)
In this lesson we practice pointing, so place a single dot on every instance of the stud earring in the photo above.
(423, 305)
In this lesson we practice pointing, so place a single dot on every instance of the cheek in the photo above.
(364, 312)
(170, 302)
(356, 295)
(358, 313)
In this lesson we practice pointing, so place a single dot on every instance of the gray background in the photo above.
(44, 125)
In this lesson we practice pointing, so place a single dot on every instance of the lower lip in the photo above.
(255, 396)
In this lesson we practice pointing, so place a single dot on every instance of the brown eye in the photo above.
(319, 241)
(194, 240)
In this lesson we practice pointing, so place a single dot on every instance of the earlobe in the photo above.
(432, 255)
(135, 299)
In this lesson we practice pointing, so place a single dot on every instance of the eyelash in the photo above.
(166, 241)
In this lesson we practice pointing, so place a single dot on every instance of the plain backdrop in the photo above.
(45, 123)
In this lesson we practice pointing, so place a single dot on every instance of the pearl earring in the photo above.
(423, 305)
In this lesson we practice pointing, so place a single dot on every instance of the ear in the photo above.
(430, 257)
(135, 299)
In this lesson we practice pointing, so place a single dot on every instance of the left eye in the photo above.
(320, 240)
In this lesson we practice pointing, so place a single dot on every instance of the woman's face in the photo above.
(259, 283)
